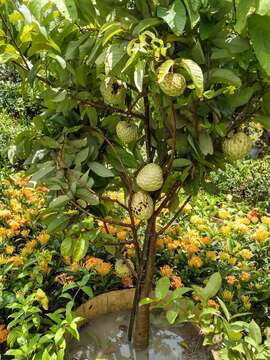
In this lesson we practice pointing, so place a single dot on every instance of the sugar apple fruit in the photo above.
(113, 91)
(142, 205)
(150, 177)
(173, 84)
(122, 269)
(236, 146)
(126, 131)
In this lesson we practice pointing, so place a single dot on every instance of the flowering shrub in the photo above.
(220, 236)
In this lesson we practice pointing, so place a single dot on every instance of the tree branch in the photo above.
(147, 130)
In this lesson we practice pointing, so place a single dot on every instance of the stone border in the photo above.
(109, 302)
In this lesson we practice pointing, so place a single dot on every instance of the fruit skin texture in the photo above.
(122, 269)
(173, 84)
(126, 131)
(142, 205)
(113, 91)
(236, 146)
(150, 178)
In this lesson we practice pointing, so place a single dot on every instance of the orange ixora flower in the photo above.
(16, 261)
(173, 245)
(231, 280)
(245, 276)
(246, 254)
(43, 237)
(195, 261)
(192, 248)
(261, 234)
(127, 281)
(9, 249)
(166, 270)
(213, 303)
(206, 240)
(91, 261)
(227, 295)
(3, 333)
(121, 235)
(211, 255)
(103, 268)
(176, 282)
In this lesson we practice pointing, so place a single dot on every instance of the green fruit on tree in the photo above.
(122, 269)
(142, 205)
(150, 177)
(113, 91)
(127, 132)
(173, 84)
(237, 146)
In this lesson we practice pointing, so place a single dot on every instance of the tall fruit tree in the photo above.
(146, 96)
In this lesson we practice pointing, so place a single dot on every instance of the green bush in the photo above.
(9, 128)
(247, 180)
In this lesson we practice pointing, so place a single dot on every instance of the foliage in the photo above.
(187, 74)
(247, 180)
(17, 99)
(9, 129)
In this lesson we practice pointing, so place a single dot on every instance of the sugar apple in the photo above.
(113, 91)
(236, 146)
(173, 84)
(142, 205)
(127, 132)
(122, 269)
(150, 178)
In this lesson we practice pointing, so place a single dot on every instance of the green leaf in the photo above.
(139, 74)
(144, 24)
(196, 74)
(192, 7)
(171, 315)
(67, 246)
(82, 155)
(44, 171)
(213, 286)
(205, 143)
(146, 301)
(255, 332)
(178, 293)
(61, 61)
(243, 9)
(67, 8)
(257, 26)
(88, 291)
(100, 169)
(113, 30)
(263, 7)
(59, 335)
(181, 163)
(162, 287)
(224, 309)
(57, 223)
(86, 195)
(224, 76)
(263, 120)
(61, 200)
(174, 16)
(80, 248)
(164, 69)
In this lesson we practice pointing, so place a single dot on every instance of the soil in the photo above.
(106, 339)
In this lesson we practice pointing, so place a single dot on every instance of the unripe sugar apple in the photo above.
(142, 205)
(127, 132)
(173, 84)
(150, 177)
(113, 91)
(237, 146)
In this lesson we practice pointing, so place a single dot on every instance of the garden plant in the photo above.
(140, 97)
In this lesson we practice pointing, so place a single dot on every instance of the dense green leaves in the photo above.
(259, 25)
(174, 16)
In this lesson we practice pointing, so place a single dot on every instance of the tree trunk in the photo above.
(142, 321)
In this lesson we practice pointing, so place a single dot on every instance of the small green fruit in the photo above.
(150, 178)
(122, 269)
(142, 205)
(173, 84)
(113, 91)
(126, 131)
(237, 146)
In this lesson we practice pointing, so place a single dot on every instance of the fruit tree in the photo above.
(143, 96)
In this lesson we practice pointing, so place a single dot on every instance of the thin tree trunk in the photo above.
(142, 322)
